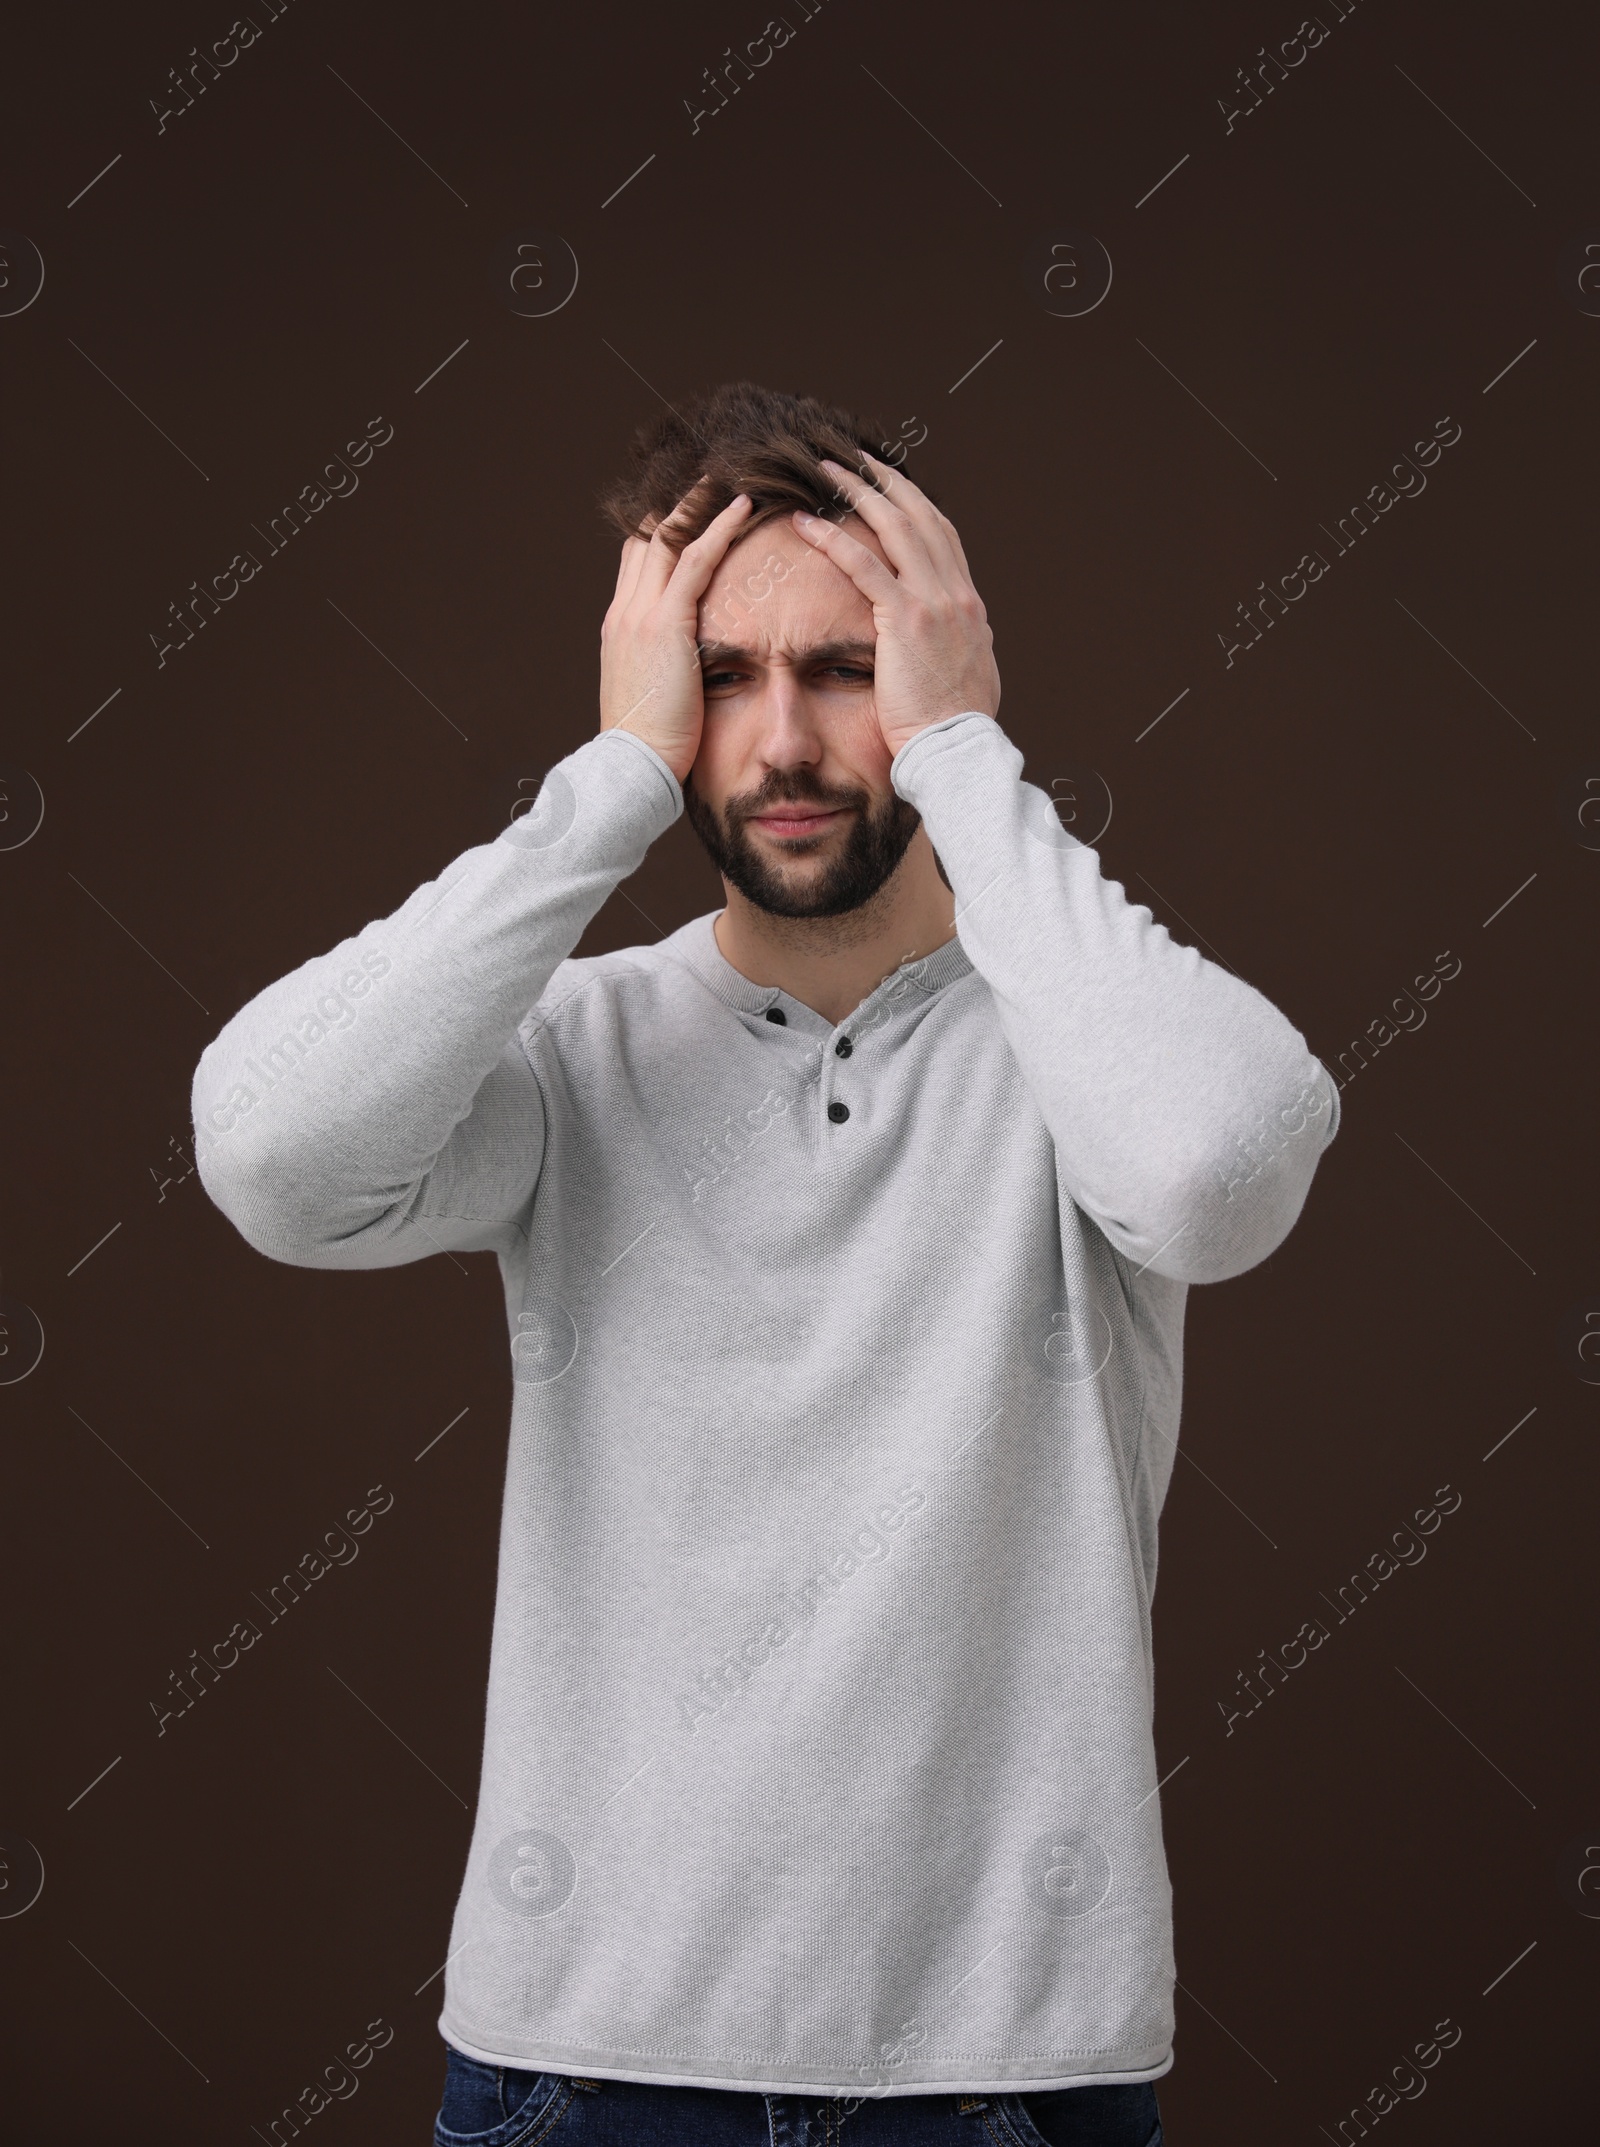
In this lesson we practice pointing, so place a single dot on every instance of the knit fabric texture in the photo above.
(845, 1381)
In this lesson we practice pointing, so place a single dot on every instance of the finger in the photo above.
(953, 539)
(936, 526)
(660, 553)
(909, 550)
(697, 562)
(875, 581)
(937, 529)
(947, 529)
(631, 565)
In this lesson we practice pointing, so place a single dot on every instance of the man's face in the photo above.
(790, 790)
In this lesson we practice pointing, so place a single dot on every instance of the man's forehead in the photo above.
(779, 540)
(775, 595)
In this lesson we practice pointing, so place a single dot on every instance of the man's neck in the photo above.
(832, 963)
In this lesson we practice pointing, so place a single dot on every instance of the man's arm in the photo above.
(375, 1105)
(1187, 1113)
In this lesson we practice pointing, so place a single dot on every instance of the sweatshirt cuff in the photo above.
(935, 738)
(630, 742)
(613, 786)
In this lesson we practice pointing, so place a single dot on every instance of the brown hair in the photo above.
(738, 438)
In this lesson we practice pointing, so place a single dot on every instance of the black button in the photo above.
(844, 1047)
(838, 1112)
(776, 1013)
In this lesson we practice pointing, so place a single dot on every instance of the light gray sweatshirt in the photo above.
(845, 1385)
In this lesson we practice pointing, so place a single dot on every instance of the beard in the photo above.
(871, 853)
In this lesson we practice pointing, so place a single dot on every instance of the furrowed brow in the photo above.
(824, 652)
(842, 652)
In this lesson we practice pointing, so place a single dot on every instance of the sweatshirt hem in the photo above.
(949, 2077)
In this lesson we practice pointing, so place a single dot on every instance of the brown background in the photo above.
(1401, 1824)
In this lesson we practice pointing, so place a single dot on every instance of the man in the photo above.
(846, 1235)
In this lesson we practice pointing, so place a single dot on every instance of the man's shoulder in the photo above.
(603, 987)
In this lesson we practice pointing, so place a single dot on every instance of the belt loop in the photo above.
(786, 2122)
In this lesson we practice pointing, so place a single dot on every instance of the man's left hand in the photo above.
(935, 655)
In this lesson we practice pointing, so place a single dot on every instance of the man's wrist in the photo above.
(928, 730)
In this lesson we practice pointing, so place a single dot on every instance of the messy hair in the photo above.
(738, 438)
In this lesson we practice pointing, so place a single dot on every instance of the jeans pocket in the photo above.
(1124, 2115)
(496, 2105)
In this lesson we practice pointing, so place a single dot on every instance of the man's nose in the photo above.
(789, 735)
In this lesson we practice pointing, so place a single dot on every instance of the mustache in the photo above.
(795, 787)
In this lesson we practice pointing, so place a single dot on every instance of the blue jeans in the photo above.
(499, 2106)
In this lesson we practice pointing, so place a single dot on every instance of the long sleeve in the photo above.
(1187, 1113)
(375, 1105)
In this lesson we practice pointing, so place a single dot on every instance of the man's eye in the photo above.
(719, 678)
(852, 673)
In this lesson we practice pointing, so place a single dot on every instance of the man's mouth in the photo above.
(792, 822)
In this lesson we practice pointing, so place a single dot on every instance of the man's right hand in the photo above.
(649, 651)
